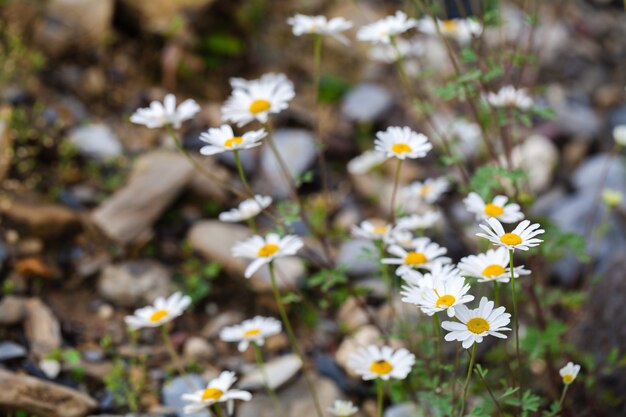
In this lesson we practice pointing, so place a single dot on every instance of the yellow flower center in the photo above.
(493, 270)
(567, 378)
(415, 258)
(425, 190)
(230, 142)
(381, 367)
(477, 325)
(445, 300)
(450, 25)
(268, 250)
(492, 210)
(158, 315)
(259, 106)
(251, 332)
(401, 148)
(511, 239)
(380, 230)
(212, 394)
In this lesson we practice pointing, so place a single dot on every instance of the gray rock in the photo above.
(403, 410)
(577, 119)
(214, 240)
(178, 386)
(589, 175)
(96, 140)
(351, 315)
(297, 148)
(10, 350)
(198, 349)
(357, 255)
(12, 310)
(366, 102)
(134, 283)
(279, 371)
(41, 327)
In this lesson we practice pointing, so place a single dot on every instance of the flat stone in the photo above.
(96, 140)
(403, 410)
(366, 335)
(367, 102)
(10, 350)
(12, 310)
(357, 255)
(178, 386)
(41, 398)
(351, 316)
(40, 219)
(41, 327)
(134, 283)
(279, 371)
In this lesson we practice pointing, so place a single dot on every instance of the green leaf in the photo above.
(489, 179)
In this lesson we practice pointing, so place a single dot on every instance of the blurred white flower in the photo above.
(403, 49)
(508, 96)
(612, 197)
(218, 391)
(461, 30)
(385, 29)
(246, 209)
(373, 362)
(414, 195)
(166, 113)
(492, 266)
(264, 250)
(372, 230)
(257, 99)
(163, 311)
(522, 237)
(506, 213)
(254, 330)
(222, 139)
(320, 25)
(569, 372)
(365, 162)
(342, 408)
(418, 221)
(619, 135)
(402, 143)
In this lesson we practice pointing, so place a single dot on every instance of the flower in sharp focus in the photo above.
(342, 408)
(418, 221)
(438, 272)
(414, 195)
(492, 266)
(461, 30)
(436, 295)
(372, 230)
(373, 362)
(509, 96)
(166, 113)
(246, 209)
(254, 330)
(522, 237)
(423, 254)
(498, 208)
(619, 135)
(474, 325)
(257, 99)
(365, 162)
(222, 139)
(218, 391)
(569, 372)
(385, 29)
(402, 143)
(162, 311)
(264, 250)
(320, 25)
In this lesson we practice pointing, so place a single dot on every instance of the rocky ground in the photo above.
(99, 216)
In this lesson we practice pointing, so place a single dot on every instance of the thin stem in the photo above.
(515, 324)
(562, 398)
(175, 358)
(380, 389)
(242, 174)
(467, 379)
(386, 277)
(438, 345)
(493, 397)
(496, 293)
(292, 339)
(218, 410)
(396, 180)
(258, 356)
(317, 65)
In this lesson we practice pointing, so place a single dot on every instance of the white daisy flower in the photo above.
(492, 266)
(222, 139)
(403, 49)
(461, 30)
(522, 237)
(371, 230)
(619, 135)
(320, 25)
(498, 208)
(373, 362)
(218, 391)
(402, 143)
(418, 221)
(246, 209)
(265, 249)
(569, 372)
(400, 237)
(439, 272)
(435, 295)
(257, 99)
(163, 311)
(423, 254)
(429, 191)
(166, 113)
(476, 324)
(254, 330)
(365, 162)
(509, 96)
(342, 408)
(385, 29)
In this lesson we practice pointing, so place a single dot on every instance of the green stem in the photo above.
(242, 174)
(317, 65)
(438, 345)
(515, 324)
(167, 341)
(292, 339)
(380, 389)
(270, 391)
(386, 277)
(218, 410)
(562, 398)
(496, 293)
(467, 379)
(396, 180)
